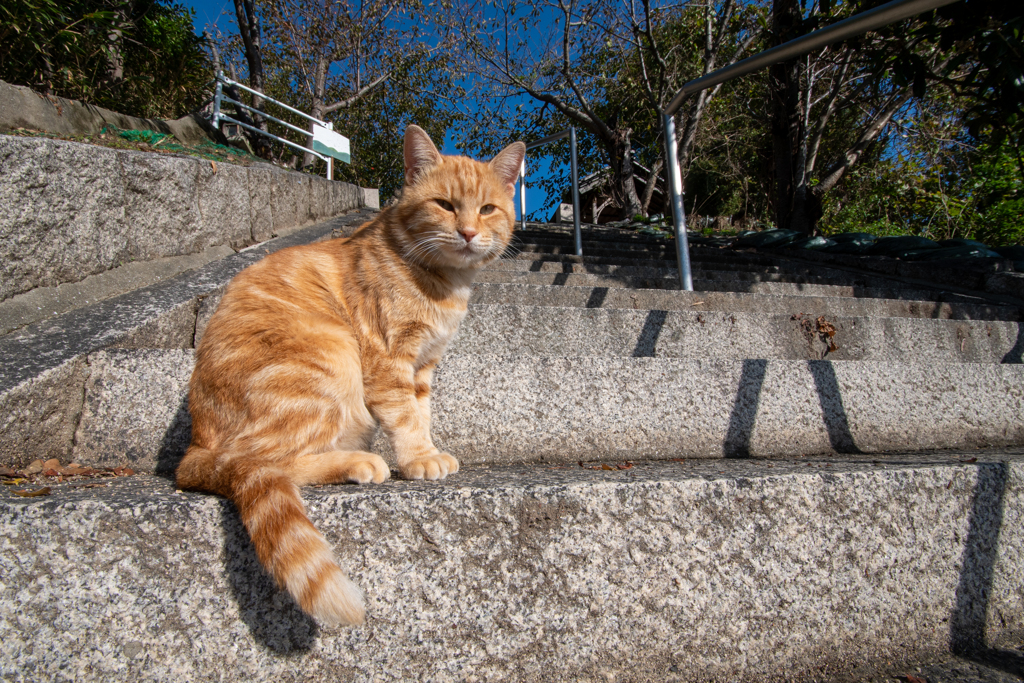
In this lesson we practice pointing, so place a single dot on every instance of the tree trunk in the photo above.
(319, 90)
(784, 86)
(620, 156)
(249, 29)
(652, 180)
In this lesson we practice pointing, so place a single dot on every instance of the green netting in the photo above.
(148, 136)
(769, 239)
(167, 142)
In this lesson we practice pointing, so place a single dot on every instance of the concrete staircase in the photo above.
(797, 472)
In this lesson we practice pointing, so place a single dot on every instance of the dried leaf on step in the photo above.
(606, 466)
(34, 467)
(970, 460)
(625, 465)
(911, 678)
(16, 481)
(45, 491)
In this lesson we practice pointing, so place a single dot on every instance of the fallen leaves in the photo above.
(45, 491)
(40, 472)
(828, 332)
(624, 465)
(825, 330)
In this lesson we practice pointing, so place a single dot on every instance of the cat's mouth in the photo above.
(469, 251)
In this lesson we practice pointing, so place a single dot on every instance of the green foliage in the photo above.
(138, 57)
(999, 191)
(976, 194)
(376, 123)
(420, 90)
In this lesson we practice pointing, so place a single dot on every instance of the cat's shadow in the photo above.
(273, 618)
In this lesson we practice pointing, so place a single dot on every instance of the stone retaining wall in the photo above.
(70, 210)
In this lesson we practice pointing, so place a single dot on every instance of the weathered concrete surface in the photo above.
(35, 387)
(668, 300)
(135, 405)
(46, 302)
(976, 273)
(728, 281)
(734, 571)
(667, 278)
(970, 272)
(22, 107)
(70, 210)
(554, 331)
(1006, 283)
(38, 416)
(508, 409)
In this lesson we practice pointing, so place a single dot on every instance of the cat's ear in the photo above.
(506, 165)
(420, 153)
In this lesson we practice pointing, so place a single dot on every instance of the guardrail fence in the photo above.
(327, 144)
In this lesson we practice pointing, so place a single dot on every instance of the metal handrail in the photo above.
(571, 134)
(878, 17)
(219, 116)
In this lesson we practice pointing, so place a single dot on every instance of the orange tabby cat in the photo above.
(313, 345)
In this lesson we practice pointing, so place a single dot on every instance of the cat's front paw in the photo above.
(437, 466)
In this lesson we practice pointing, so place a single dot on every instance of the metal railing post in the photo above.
(856, 25)
(675, 187)
(575, 192)
(522, 195)
(218, 93)
(571, 134)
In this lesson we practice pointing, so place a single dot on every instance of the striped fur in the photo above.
(314, 345)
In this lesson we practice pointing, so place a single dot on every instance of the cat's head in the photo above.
(456, 212)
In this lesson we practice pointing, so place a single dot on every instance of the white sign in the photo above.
(329, 143)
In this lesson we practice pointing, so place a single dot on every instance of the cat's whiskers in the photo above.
(425, 249)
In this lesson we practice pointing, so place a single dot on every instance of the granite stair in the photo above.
(793, 472)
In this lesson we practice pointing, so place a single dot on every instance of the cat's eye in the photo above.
(486, 209)
(444, 204)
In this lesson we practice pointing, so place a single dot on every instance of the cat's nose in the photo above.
(467, 234)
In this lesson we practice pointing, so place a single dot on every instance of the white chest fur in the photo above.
(444, 330)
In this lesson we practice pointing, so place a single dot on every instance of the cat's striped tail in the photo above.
(286, 542)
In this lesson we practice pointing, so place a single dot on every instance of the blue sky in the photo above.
(221, 13)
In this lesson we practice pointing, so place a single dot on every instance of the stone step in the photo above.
(740, 269)
(786, 272)
(552, 331)
(710, 271)
(748, 263)
(739, 302)
(745, 571)
(42, 366)
(615, 260)
(553, 231)
(731, 281)
(553, 264)
(490, 409)
(600, 249)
